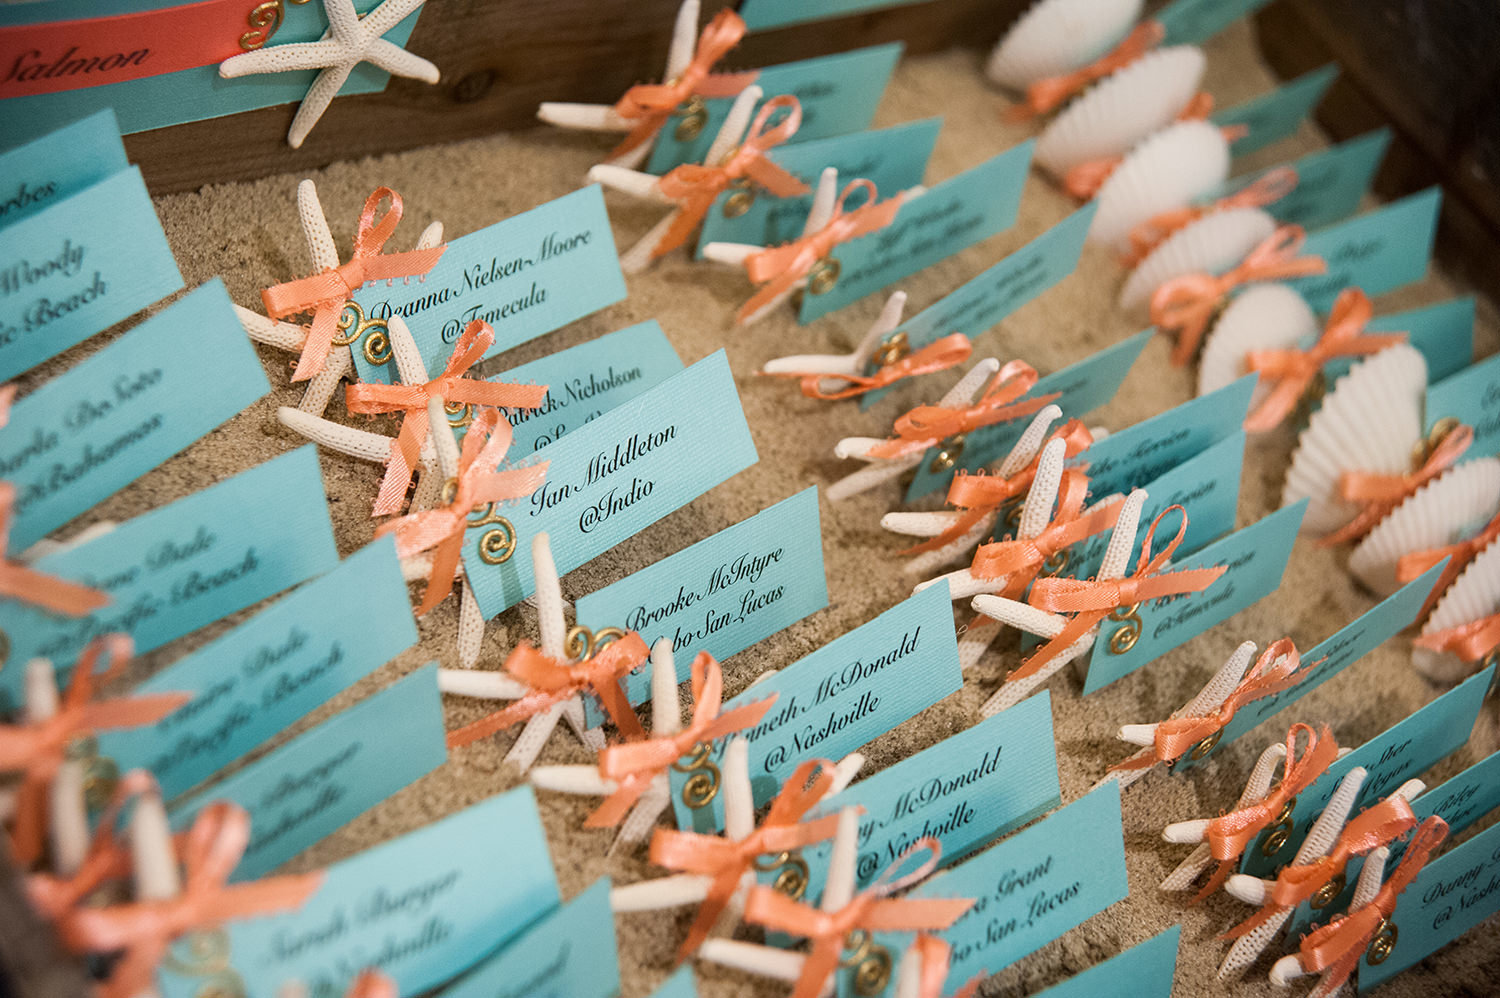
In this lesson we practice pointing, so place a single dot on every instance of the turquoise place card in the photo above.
(762, 14)
(1471, 396)
(271, 671)
(1143, 971)
(679, 985)
(1193, 22)
(420, 908)
(1405, 750)
(614, 476)
(956, 214)
(1081, 388)
(526, 276)
(1255, 558)
(58, 165)
(1443, 334)
(569, 953)
(999, 291)
(323, 779)
(78, 266)
(1275, 115)
(892, 159)
(838, 93)
(586, 381)
(187, 564)
(1031, 888)
(1330, 182)
(850, 691)
(1376, 252)
(720, 595)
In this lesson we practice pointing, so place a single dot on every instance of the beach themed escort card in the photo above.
(191, 562)
(88, 433)
(1376, 252)
(679, 985)
(58, 165)
(1443, 334)
(852, 690)
(956, 214)
(269, 672)
(525, 276)
(1330, 182)
(721, 595)
(322, 780)
(1192, 22)
(79, 265)
(1472, 396)
(1275, 115)
(1145, 970)
(419, 908)
(614, 476)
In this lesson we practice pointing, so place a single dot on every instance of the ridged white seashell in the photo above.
(1212, 244)
(1444, 511)
(1059, 36)
(1262, 317)
(1370, 421)
(1474, 594)
(1123, 109)
(1168, 170)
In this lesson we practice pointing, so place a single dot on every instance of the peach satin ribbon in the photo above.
(107, 858)
(633, 765)
(1186, 304)
(210, 851)
(1379, 494)
(1268, 188)
(1091, 600)
(1020, 560)
(1335, 949)
(1412, 565)
(1051, 91)
(872, 910)
(950, 351)
(726, 860)
(36, 749)
(324, 294)
(25, 584)
(695, 186)
(451, 386)
(479, 483)
(554, 680)
(649, 105)
(779, 268)
(1001, 402)
(1470, 642)
(934, 954)
(372, 983)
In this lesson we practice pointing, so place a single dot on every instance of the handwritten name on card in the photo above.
(58, 165)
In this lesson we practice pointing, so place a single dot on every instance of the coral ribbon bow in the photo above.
(1021, 560)
(450, 386)
(1413, 564)
(726, 860)
(324, 294)
(695, 186)
(554, 680)
(950, 351)
(1091, 600)
(26, 584)
(1335, 949)
(934, 954)
(107, 858)
(1050, 91)
(634, 765)
(1268, 188)
(779, 268)
(1470, 642)
(1379, 494)
(37, 748)
(210, 851)
(1290, 372)
(1001, 402)
(649, 105)
(479, 483)
(871, 910)
(1186, 304)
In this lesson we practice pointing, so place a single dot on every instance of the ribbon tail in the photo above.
(29, 825)
(689, 213)
(617, 706)
(766, 295)
(1255, 921)
(440, 580)
(1076, 629)
(1144, 759)
(49, 592)
(406, 449)
(960, 527)
(1219, 879)
(709, 912)
(616, 805)
(1276, 406)
(319, 340)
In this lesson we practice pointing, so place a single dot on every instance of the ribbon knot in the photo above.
(779, 268)
(950, 351)
(1470, 642)
(478, 483)
(25, 584)
(1379, 494)
(1021, 560)
(694, 186)
(1001, 402)
(1051, 91)
(1186, 304)
(1459, 554)
(1268, 188)
(324, 294)
(450, 386)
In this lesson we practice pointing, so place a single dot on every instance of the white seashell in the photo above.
(1444, 511)
(1262, 317)
(1370, 421)
(1168, 170)
(1059, 36)
(1211, 245)
(1122, 109)
(1474, 594)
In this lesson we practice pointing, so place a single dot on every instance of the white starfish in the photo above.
(67, 812)
(1371, 877)
(838, 367)
(349, 41)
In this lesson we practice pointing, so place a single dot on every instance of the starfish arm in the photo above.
(283, 59)
(398, 62)
(385, 17)
(344, 22)
(322, 386)
(319, 96)
(646, 186)
(283, 335)
(320, 245)
(583, 117)
(408, 356)
(533, 737)
(470, 629)
(372, 447)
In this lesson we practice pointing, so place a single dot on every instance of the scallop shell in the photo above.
(1168, 170)
(1122, 109)
(1212, 244)
(1369, 422)
(1262, 317)
(1474, 594)
(1058, 36)
(1444, 511)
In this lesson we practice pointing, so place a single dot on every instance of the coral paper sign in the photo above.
(1143, 971)
(1277, 114)
(59, 165)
